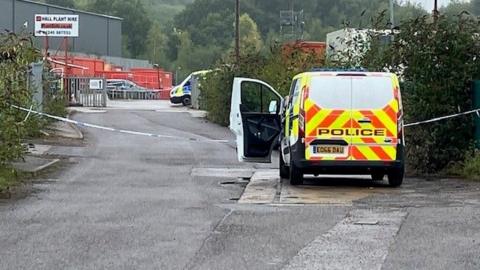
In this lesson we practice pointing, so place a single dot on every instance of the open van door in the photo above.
(255, 119)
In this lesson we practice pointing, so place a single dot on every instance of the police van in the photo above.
(182, 93)
(332, 122)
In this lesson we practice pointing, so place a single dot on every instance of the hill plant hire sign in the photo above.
(56, 25)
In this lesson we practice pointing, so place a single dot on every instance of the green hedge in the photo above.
(276, 68)
(437, 61)
(16, 53)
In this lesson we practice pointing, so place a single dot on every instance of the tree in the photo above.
(156, 45)
(192, 57)
(456, 7)
(250, 38)
(135, 26)
(437, 61)
(62, 3)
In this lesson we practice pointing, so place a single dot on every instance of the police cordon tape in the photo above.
(477, 111)
(83, 124)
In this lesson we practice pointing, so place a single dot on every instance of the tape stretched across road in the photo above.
(82, 124)
(130, 132)
(477, 111)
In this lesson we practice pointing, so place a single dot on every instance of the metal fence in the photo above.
(79, 92)
(134, 94)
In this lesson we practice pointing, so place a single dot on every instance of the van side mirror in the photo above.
(273, 107)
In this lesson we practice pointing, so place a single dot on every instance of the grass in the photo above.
(471, 168)
(8, 178)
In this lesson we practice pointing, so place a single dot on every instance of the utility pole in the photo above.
(392, 15)
(237, 30)
(435, 10)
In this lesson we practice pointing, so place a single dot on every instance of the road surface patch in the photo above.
(360, 241)
(266, 187)
(343, 195)
(262, 188)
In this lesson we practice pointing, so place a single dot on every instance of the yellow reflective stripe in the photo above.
(342, 119)
(387, 122)
(368, 152)
(313, 123)
(394, 105)
(308, 105)
(391, 151)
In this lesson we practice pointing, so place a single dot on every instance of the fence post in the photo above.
(104, 93)
(195, 92)
(476, 105)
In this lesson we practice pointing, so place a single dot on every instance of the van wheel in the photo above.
(186, 101)
(284, 170)
(395, 177)
(377, 176)
(295, 175)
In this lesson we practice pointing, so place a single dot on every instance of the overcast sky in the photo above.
(428, 4)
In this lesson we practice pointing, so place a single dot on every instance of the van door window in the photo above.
(291, 93)
(331, 92)
(369, 93)
(257, 98)
(296, 93)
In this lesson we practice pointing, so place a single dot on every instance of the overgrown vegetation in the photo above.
(471, 167)
(276, 68)
(437, 60)
(8, 178)
(17, 53)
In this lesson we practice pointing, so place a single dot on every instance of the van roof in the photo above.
(343, 73)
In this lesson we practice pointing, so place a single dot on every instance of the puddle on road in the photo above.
(326, 194)
(267, 188)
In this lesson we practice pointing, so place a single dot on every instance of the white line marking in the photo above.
(350, 245)
(130, 132)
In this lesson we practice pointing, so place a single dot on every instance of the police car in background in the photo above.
(182, 93)
(332, 122)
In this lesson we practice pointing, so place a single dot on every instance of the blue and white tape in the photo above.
(443, 118)
(83, 124)
(123, 131)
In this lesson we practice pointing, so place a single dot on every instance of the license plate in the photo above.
(328, 150)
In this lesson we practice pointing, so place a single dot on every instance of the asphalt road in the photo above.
(133, 202)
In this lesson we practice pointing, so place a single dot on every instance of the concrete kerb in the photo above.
(34, 165)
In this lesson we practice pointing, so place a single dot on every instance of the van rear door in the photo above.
(375, 108)
(328, 117)
(255, 119)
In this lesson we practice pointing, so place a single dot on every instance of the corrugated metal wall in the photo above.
(98, 34)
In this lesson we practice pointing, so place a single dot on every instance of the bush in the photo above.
(16, 53)
(276, 68)
(471, 168)
(436, 61)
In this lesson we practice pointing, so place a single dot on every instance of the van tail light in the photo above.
(399, 117)
(301, 124)
(301, 115)
(400, 127)
(305, 93)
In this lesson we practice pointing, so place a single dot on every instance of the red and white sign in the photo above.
(55, 25)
